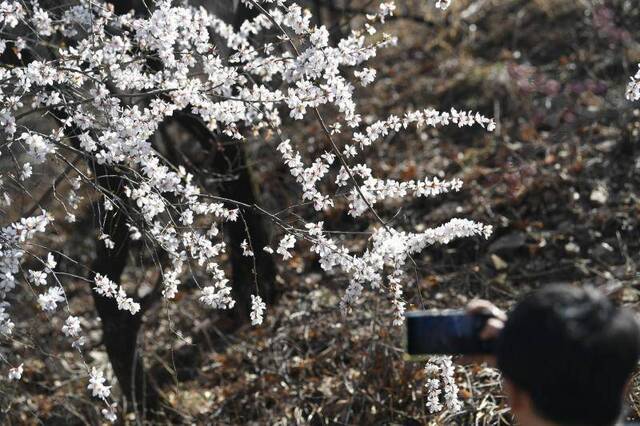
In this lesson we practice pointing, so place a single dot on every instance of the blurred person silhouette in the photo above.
(566, 354)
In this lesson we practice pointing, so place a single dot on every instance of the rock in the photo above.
(498, 263)
(630, 295)
(606, 146)
(572, 248)
(604, 252)
(599, 195)
(512, 241)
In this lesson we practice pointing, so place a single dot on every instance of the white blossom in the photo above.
(441, 382)
(42, 22)
(286, 243)
(71, 327)
(38, 277)
(38, 147)
(78, 343)
(6, 325)
(51, 263)
(26, 172)
(443, 4)
(366, 76)
(11, 13)
(246, 251)
(108, 242)
(217, 295)
(15, 373)
(96, 384)
(110, 413)
(49, 300)
(107, 288)
(633, 88)
(257, 310)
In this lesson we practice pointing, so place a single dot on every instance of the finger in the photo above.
(479, 306)
(492, 329)
(484, 307)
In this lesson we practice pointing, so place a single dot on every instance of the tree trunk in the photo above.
(243, 13)
(227, 157)
(120, 328)
(232, 160)
(244, 189)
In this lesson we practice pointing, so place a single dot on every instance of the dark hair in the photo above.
(573, 352)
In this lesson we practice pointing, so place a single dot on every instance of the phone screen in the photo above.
(445, 332)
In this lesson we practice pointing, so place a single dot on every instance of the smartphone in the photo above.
(446, 332)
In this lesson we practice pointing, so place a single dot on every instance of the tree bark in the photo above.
(120, 328)
(251, 226)
(228, 157)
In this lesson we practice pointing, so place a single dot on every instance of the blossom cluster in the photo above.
(443, 4)
(633, 88)
(13, 240)
(257, 310)
(441, 385)
(107, 288)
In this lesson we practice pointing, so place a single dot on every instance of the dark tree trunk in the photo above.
(227, 157)
(244, 189)
(120, 328)
(243, 13)
(232, 160)
(120, 7)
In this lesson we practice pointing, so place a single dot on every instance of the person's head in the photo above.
(566, 355)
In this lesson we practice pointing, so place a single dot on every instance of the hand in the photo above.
(491, 330)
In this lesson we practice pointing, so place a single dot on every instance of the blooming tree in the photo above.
(106, 84)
